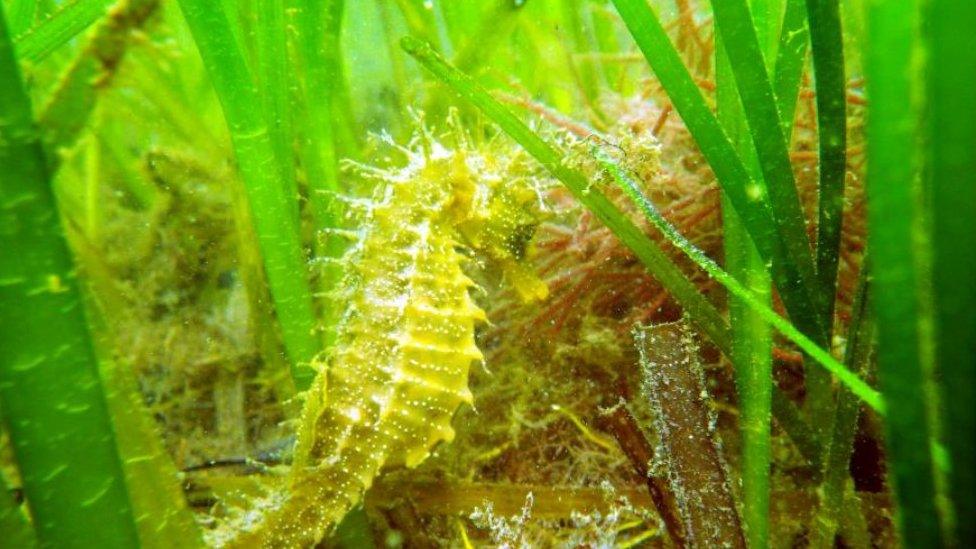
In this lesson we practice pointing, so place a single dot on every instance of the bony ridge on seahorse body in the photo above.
(398, 371)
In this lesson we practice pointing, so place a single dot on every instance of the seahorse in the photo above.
(398, 371)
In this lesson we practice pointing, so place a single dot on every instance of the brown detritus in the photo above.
(674, 383)
(661, 119)
(407, 522)
(182, 318)
(110, 47)
(620, 423)
(230, 405)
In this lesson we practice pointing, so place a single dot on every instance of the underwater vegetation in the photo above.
(498, 273)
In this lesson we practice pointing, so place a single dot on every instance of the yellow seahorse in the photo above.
(406, 341)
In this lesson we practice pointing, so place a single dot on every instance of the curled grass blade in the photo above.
(270, 206)
(894, 222)
(52, 397)
(58, 29)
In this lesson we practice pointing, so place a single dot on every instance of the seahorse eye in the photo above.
(517, 242)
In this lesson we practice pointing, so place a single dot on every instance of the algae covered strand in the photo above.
(674, 384)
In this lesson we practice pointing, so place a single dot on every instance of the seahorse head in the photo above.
(502, 227)
(491, 201)
(495, 214)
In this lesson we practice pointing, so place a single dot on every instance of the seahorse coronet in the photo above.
(386, 392)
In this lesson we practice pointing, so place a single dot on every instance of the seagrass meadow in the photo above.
(487, 273)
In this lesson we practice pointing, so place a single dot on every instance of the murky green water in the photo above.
(546, 273)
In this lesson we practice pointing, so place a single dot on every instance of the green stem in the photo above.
(828, 66)
(58, 29)
(274, 75)
(858, 355)
(803, 436)
(952, 176)
(20, 16)
(752, 348)
(791, 54)
(163, 517)
(93, 202)
(578, 38)
(420, 21)
(894, 221)
(734, 22)
(496, 26)
(752, 337)
(173, 108)
(52, 397)
(604, 29)
(319, 24)
(271, 208)
(136, 184)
